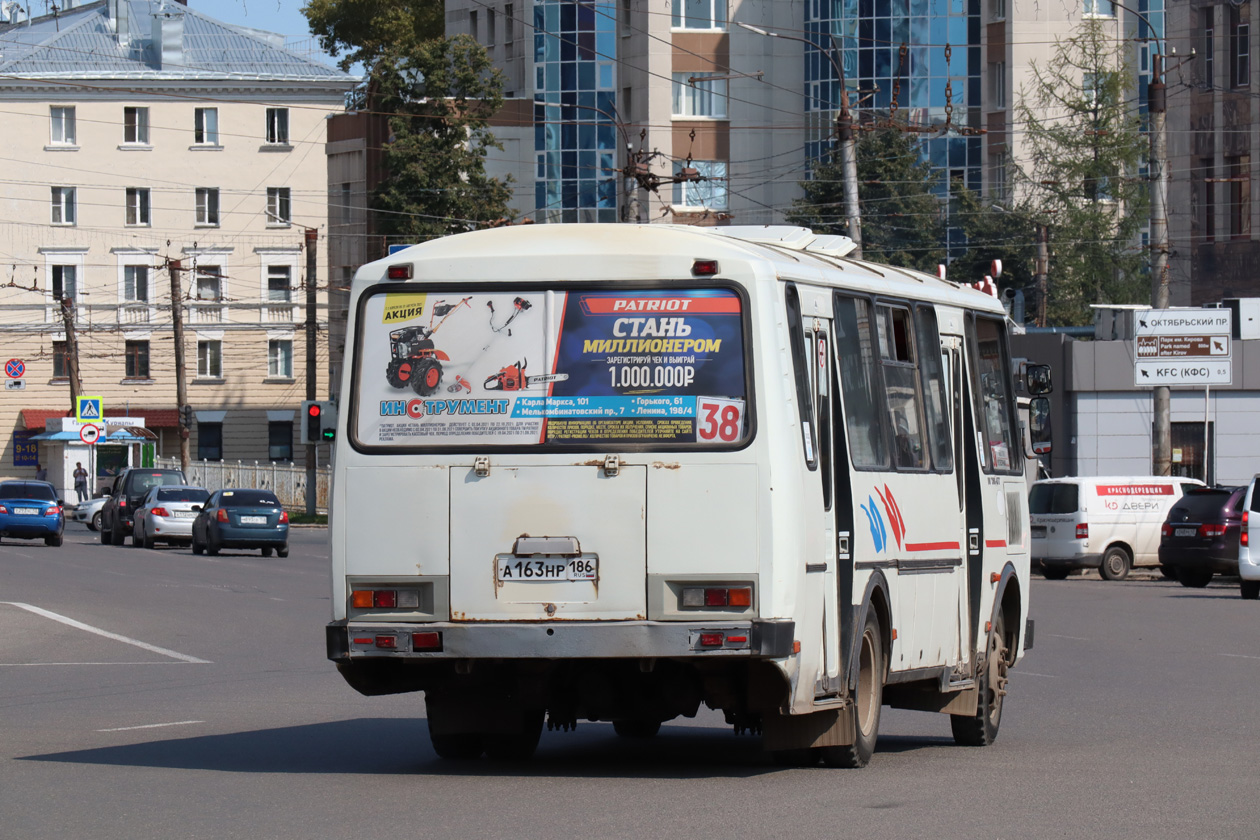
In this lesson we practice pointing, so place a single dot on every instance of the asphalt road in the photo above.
(209, 711)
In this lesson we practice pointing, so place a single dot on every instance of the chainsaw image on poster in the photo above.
(414, 359)
(513, 378)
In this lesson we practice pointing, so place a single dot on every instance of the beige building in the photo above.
(147, 141)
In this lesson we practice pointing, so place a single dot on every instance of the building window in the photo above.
(709, 192)
(699, 14)
(278, 209)
(278, 125)
(210, 359)
(1099, 8)
(997, 9)
(137, 206)
(136, 283)
(1209, 46)
(208, 206)
(1239, 48)
(63, 205)
(280, 440)
(206, 126)
(279, 283)
(1208, 214)
(136, 126)
(473, 28)
(997, 85)
(61, 366)
(702, 98)
(63, 133)
(280, 358)
(490, 23)
(997, 176)
(209, 441)
(208, 282)
(1239, 169)
(64, 282)
(137, 353)
(509, 31)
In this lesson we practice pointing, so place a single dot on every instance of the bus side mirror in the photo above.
(1039, 425)
(1037, 380)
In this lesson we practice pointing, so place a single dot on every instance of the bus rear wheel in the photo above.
(516, 746)
(981, 729)
(867, 700)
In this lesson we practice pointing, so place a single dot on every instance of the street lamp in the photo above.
(844, 133)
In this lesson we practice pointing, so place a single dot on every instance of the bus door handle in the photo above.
(842, 545)
(973, 540)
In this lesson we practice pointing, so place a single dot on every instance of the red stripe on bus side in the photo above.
(995, 543)
(936, 546)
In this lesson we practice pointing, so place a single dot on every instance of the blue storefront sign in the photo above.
(25, 450)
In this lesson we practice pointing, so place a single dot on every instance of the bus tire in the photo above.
(464, 746)
(868, 700)
(795, 758)
(1115, 564)
(981, 729)
(636, 728)
(516, 746)
(1055, 572)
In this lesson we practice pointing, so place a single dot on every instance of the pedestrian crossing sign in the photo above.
(88, 410)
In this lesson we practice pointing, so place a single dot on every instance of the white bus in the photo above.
(614, 472)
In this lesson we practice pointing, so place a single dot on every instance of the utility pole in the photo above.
(181, 371)
(848, 166)
(72, 353)
(312, 240)
(1161, 399)
(1042, 270)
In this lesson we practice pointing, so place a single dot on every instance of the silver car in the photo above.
(166, 515)
(88, 512)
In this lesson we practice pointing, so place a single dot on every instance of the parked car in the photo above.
(1109, 523)
(166, 514)
(88, 512)
(30, 510)
(1248, 551)
(129, 488)
(1200, 537)
(242, 519)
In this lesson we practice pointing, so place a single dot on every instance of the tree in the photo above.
(1085, 148)
(992, 233)
(438, 96)
(366, 29)
(902, 222)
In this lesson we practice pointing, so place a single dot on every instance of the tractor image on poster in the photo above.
(414, 360)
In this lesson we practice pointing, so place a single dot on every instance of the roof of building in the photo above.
(114, 39)
(154, 418)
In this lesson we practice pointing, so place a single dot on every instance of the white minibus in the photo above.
(618, 472)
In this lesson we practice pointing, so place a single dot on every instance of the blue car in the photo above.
(30, 510)
(242, 519)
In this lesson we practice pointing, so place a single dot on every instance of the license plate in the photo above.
(253, 520)
(185, 514)
(520, 568)
(26, 511)
(1039, 530)
(1185, 532)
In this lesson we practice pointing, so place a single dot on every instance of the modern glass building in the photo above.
(575, 111)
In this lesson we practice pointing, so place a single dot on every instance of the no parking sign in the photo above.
(90, 434)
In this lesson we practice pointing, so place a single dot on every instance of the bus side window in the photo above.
(991, 379)
(855, 355)
(934, 402)
(796, 336)
(901, 386)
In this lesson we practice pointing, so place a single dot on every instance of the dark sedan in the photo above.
(30, 510)
(1199, 538)
(242, 519)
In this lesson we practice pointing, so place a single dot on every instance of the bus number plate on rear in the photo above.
(548, 569)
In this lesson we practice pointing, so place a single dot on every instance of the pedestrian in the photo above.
(41, 472)
(80, 481)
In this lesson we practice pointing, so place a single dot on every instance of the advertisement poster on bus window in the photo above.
(516, 368)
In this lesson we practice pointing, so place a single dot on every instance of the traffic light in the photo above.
(186, 416)
(319, 423)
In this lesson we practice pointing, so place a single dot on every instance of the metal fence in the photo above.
(287, 481)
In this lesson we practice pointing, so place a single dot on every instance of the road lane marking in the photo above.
(1023, 673)
(1238, 656)
(152, 726)
(40, 664)
(79, 625)
(1061, 636)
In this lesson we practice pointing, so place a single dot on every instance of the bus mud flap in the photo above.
(828, 728)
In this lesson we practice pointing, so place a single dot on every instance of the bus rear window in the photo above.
(478, 368)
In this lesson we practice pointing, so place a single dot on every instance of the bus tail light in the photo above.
(387, 642)
(695, 597)
(711, 639)
(430, 640)
(385, 599)
(1082, 531)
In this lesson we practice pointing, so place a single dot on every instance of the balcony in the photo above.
(277, 313)
(205, 312)
(134, 312)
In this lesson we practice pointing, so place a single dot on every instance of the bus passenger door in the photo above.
(967, 473)
(836, 537)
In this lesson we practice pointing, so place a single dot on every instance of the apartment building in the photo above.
(160, 159)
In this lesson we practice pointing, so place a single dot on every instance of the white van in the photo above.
(1248, 551)
(1109, 523)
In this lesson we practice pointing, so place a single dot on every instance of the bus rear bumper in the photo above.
(759, 639)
